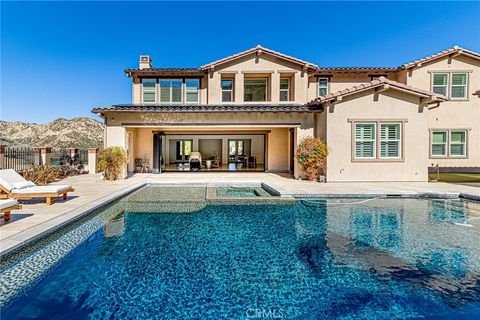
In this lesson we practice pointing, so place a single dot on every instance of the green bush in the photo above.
(312, 155)
(111, 161)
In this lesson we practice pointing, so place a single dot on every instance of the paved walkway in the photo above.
(91, 191)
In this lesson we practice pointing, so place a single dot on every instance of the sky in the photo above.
(61, 59)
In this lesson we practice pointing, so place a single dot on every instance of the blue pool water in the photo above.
(381, 259)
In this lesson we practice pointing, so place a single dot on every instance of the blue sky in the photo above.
(61, 59)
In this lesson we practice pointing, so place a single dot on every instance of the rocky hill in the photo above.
(61, 133)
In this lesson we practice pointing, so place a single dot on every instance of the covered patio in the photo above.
(210, 149)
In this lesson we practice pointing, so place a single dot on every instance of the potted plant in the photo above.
(111, 161)
(312, 155)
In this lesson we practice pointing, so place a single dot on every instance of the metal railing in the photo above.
(25, 158)
(19, 159)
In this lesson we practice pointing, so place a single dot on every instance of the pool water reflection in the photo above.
(385, 258)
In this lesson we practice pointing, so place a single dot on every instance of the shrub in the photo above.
(312, 155)
(72, 165)
(43, 174)
(111, 161)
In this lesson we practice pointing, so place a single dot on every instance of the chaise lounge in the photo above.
(13, 185)
(7, 205)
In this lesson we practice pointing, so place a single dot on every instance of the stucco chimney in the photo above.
(145, 62)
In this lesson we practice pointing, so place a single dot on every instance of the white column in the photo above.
(37, 160)
(45, 155)
(92, 160)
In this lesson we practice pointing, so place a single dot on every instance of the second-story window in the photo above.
(171, 90)
(322, 86)
(255, 90)
(451, 84)
(227, 90)
(459, 86)
(148, 90)
(440, 83)
(192, 87)
(284, 89)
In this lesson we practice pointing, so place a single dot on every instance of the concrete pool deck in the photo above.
(90, 192)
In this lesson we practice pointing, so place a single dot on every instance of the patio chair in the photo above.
(7, 205)
(13, 185)
(195, 161)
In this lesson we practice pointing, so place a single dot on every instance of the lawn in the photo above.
(456, 177)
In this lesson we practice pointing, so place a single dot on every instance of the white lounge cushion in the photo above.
(8, 177)
(8, 203)
(53, 188)
(23, 185)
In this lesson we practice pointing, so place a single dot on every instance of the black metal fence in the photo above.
(19, 158)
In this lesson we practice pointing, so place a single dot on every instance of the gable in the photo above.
(260, 53)
(448, 54)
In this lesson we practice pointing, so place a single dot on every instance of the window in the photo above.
(390, 140)
(457, 143)
(255, 90)
(171, 90)
(448, 143)
(459, 86)
(227, 90)
(284, 89)
(440, 83)
(377, 140)
(322, 86)
(439, 143)
(148, 90)
(192, 87)
(365, 140)
(453, 85)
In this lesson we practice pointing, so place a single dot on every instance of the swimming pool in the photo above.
(338, 258)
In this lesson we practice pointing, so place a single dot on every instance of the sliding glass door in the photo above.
(183, 150)
(236, 150)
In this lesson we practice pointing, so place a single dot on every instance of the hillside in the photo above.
(61, 133)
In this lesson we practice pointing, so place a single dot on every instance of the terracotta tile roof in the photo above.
(454, 50)
(354, 69)
(176, 108)
(259, 48)
(373, 84)
(155, 71)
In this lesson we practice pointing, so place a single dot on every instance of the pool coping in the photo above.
(23, 238)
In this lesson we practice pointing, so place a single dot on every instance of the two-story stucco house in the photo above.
(248, 112)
